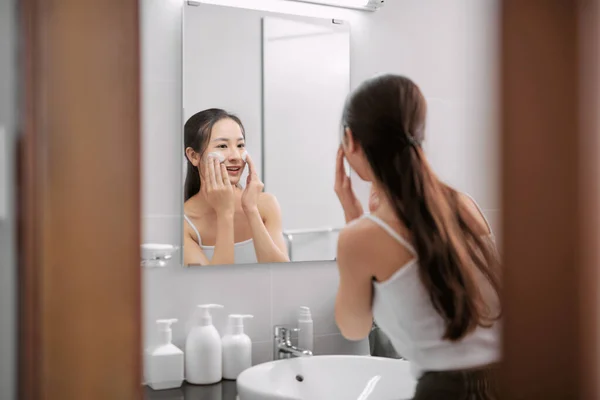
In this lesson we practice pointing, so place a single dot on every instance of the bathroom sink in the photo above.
(328, 378)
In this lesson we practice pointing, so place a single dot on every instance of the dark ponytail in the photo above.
(387, 116)
(197, 131)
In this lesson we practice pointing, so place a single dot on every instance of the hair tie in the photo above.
(412, 141)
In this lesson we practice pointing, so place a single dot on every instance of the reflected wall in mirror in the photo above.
(262, 95)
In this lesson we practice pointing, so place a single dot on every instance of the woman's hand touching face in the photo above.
(343, 188)
(217, 188)
(254, 188)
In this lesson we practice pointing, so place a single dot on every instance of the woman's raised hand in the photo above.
(343, 188)
(254, 188)
(217, 188)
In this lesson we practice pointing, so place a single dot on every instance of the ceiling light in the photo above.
(367, 5)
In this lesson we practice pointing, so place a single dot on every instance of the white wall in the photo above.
(224, 71)
(8, 279)
(306, 81)
(446, 47)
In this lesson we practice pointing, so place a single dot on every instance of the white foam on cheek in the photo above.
(218, 156)
(244, 155)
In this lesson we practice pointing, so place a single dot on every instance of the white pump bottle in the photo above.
(165, 361)
(237, 348)
(306, 329)
(203, 351)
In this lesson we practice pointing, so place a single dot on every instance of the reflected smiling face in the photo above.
(228, 140)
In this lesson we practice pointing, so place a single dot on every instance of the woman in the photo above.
(225, 224)
(423, 264)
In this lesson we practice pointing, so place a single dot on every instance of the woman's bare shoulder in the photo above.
(371, 249)
(472, 214)
(355, 242)
(359, 237)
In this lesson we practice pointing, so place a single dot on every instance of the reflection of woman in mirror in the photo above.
(225, 224)
(423, 264)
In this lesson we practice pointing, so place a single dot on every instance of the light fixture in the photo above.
(366, 5)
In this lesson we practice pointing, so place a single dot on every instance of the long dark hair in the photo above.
(386, 116)
(197, 131)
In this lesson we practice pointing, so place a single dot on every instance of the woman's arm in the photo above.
(224, 247)
(219, 194)
(259, 207)
(353, 304)
(267, 235)
(192, 253)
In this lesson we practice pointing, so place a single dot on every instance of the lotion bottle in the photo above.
(237, 348)
(165, 361)
(203, 351)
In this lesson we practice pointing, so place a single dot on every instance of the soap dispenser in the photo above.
(237, 348)
(165, 361)
(203, 351)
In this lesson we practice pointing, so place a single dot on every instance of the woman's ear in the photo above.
(192, 156)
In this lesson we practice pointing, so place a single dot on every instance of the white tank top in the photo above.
(403, 310)
(244, 252)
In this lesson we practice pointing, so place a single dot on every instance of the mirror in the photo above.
(263, 95)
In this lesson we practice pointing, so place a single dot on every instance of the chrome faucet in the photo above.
(282, 344)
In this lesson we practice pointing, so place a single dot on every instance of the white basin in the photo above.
(328, 378)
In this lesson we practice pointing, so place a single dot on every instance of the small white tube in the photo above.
(306, 329)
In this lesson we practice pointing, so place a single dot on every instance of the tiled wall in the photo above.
(271, 293)
(446, 47)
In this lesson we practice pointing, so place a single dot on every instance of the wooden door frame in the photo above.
(79, 201)
(550, 198)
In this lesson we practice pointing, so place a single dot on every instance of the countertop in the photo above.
(225, 390)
